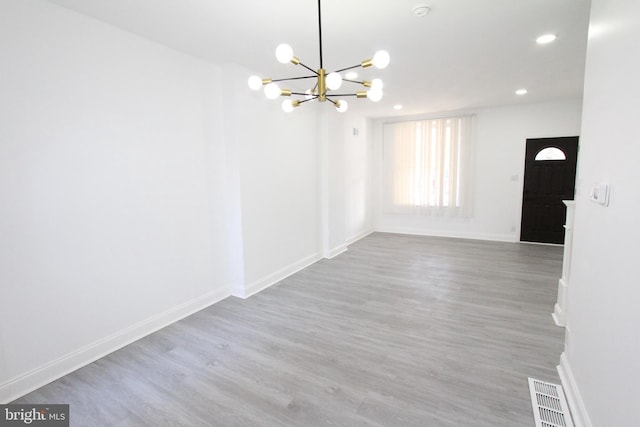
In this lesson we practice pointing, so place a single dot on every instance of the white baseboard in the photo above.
(336, 251)
(359, 236)
(271, 279)
(510, 238)
(576, 404)
(558, 316)
(543, 244)
(36, 378)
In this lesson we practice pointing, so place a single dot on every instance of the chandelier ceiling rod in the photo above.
(325, 83)
(320, 32)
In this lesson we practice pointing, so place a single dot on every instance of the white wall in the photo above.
(346, 167)
(110, 153)
(601, 363)
(498, 168)
(346, 160)
(297, 174)
(332, 185)
(275, 160)
(357, 145)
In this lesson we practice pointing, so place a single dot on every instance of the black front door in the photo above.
(549, 178)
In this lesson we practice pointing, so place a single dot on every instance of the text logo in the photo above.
(34, 415)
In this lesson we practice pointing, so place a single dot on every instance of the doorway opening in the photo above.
(549, 178)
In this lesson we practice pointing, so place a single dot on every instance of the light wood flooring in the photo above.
(397, 331)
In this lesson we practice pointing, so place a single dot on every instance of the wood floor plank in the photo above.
(397, 331)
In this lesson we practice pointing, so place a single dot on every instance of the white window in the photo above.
(426, 166)
(550, 153)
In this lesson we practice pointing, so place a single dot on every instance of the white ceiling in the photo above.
(465, 54)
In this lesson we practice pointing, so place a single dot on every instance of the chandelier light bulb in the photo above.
(272, 91)
(342, 106)
(381, 59)
(377, 84)
(334, 81)
(374, 95)
(255, 82)
(287, 105)
(284, 53)
(308, 94)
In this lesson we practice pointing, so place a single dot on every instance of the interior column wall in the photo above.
(274, 158)
(358, 175)
(600, 368)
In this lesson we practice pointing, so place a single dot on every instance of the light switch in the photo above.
(600, 194)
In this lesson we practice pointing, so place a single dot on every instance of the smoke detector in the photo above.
(421, 10)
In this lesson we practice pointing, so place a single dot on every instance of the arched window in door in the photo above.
(550, 153)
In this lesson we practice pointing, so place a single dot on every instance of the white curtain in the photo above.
(427, 167)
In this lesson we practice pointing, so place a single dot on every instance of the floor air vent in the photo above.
(550, 407)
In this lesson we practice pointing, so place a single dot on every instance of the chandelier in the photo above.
(325, 83)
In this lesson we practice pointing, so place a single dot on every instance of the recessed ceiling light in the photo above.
(351, 75)
(397, 107)
(547, 38)
(421, 10)
(521, 92)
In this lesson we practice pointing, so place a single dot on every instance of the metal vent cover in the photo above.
(550, 407)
